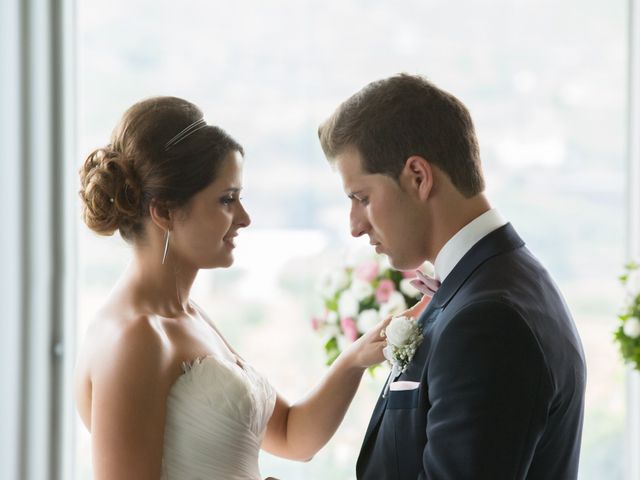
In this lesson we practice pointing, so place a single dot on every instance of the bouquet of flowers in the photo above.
(628, 332)
(357, 297)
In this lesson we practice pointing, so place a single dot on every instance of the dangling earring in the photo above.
(166, 245)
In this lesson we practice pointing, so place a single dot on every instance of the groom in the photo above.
(496, 388)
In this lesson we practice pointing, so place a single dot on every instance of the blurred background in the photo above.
(546, 83)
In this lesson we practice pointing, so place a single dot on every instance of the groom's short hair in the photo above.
(392, 119)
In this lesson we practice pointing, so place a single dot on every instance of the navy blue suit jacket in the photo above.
(501, 377)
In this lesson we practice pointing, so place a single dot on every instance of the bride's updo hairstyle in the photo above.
(161, 151)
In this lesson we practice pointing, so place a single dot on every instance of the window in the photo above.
(548, 99)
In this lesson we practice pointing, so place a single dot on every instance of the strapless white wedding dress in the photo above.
(217, 413)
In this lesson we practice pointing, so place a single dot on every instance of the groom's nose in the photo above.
(358, 223)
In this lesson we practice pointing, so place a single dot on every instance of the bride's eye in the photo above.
(227, 200)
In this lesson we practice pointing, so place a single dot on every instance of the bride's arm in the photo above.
(299, 431)
(128, 373)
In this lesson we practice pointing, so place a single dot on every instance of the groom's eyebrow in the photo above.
(232, 190)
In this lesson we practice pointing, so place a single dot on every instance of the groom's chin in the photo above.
(404, 264)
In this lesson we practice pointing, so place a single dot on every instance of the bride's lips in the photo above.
(230, 240)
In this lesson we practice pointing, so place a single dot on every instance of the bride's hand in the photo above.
(367, 350)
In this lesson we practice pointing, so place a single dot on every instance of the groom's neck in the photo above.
(451, 213)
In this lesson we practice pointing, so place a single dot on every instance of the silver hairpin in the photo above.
(194, 127)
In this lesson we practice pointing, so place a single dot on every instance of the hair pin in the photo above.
(189, 130)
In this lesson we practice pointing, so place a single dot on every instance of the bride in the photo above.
(159, 388)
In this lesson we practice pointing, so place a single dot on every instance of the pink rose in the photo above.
(367, 271)
(349, 328)
(385, 288)
(316, 323)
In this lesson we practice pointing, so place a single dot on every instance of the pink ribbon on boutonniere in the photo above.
(425, 283)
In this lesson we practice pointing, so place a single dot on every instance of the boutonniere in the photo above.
(403, 338)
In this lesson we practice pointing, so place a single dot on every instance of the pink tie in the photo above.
(426, 284)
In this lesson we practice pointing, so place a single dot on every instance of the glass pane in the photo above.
(548, 99)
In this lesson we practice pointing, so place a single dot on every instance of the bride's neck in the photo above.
(156, 288)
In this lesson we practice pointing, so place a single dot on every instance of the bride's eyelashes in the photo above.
(229, 199)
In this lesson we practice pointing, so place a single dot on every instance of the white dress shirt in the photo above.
(461, 242)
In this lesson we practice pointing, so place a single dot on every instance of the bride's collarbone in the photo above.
(195, 339)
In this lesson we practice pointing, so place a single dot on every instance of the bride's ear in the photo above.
(160, 214)
(418, 176)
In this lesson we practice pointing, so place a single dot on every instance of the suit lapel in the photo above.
(501, 240)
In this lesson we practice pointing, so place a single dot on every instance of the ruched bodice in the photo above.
(217, 412)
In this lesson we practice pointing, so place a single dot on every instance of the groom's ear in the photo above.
(418, 176)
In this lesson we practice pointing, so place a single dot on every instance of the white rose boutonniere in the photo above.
(403, 338)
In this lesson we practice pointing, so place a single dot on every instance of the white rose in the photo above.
(394, 305)
(361, 289)
(408, 289)
(631, 327)
(348, 305)
(367, 320)
(384, 262)
(427, 269)
(399, 331)
(329, 331)
(332, 318)
(633, 283)
(334, 282)
(343, 343)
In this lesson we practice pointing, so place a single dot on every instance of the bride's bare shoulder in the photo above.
(122, 339)
(120, 349)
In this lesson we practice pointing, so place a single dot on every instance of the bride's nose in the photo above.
(242, 217)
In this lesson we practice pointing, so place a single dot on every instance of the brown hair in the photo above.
(392, 119)
(119, 181)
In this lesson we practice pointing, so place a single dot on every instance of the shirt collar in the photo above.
(461, 242)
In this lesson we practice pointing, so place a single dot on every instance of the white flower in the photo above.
(384, 262)
(348, 305)
(367, 320)
(633, 283)
(631, 327)
(399, 331)
(343, 343)
(332, 318)
(403, 338)
(334, 282)
(408, 289)
(427, 269)
(361, 289)
(329, 331)
(394, 305)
